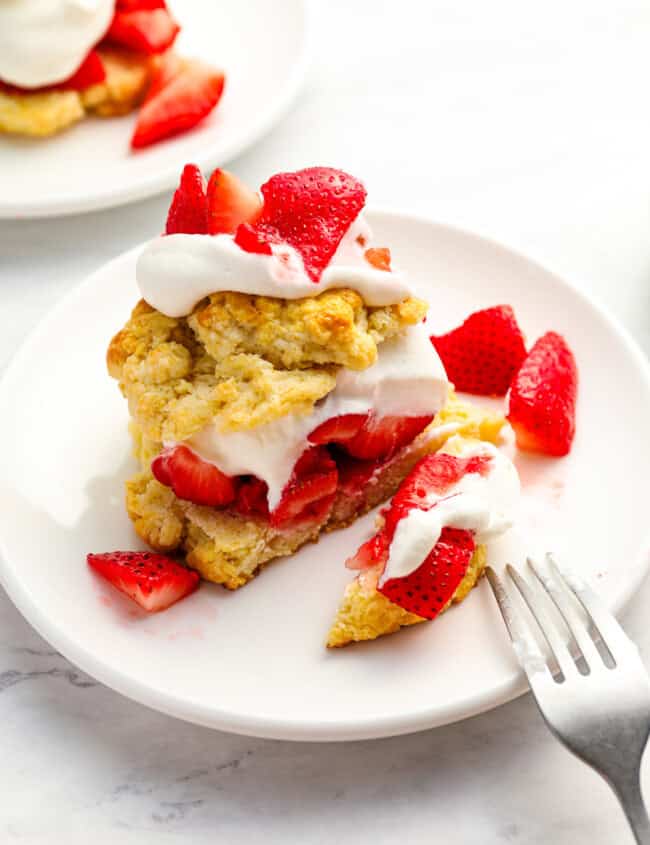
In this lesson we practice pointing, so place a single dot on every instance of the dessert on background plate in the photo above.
(62, 60)
(281, 383)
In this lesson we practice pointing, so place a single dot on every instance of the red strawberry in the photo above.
(434, 474)
(311, 210)
(186, 100)
(192, 478)
(426, 591)
(143, 30)
(309, 492)
(484, 353)
(90, 72)
(381, 438)
(252, 497)
(188, 212)
(542, 399)
(231, 202)
(379, 258)
(170, 65)
(338, 429)
(153, 581)
(139, 5)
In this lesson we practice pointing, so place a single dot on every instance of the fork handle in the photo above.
(631, 800)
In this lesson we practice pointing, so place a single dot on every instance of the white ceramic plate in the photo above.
(263, 48)
(253, 661)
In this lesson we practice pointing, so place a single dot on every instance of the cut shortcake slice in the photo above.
(279, 377)
(429, 550)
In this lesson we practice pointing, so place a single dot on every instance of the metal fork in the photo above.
(591, 687)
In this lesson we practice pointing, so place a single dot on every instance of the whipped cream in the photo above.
(483, 504)
(407, 379)
(175, 272)
(43, 42)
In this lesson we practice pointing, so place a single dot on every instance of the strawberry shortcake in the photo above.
(279, 376)
(61, 60)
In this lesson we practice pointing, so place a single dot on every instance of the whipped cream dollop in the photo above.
(175, 272)
(483, 504)
(407, 379)
(43, 42)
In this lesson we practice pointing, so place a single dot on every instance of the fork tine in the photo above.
(525, 646)
(574, 623)
(611, 633)
(534, 600)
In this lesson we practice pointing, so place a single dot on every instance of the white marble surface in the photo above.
(527, 122)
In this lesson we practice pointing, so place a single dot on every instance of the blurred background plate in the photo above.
(262, 46)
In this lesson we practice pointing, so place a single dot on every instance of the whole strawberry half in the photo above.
(192, 478)
(427, 590)
(311, 210)
(153, 581)
(484, 353)
(188, 212)
(542, 398)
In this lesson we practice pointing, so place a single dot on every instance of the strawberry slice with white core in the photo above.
(192, 478)
(368, 437)
(542, 399)
(153, 581)
(309, 493)
(230, 202)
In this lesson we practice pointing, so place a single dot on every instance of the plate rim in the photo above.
(167, 179)
(260, 726)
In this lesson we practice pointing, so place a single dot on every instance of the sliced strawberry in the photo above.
(310, 491)
(231, 202)
(338, 429)
(153, 581)
(484, 353)
(428, 589)
(143, 30)
(379, 258)
(170, 65)
(311, 210)
(382, 437)
(354, 474)
(192, 478)
(188, 212)
(542, 398)
(432, 477)
(185, 101)
(252, 497)
(139, 5)
(90, 72)
(372, 553)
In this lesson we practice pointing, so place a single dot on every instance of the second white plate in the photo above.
(263, 48)
(254, 661)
